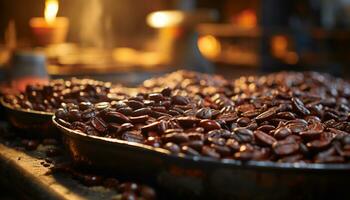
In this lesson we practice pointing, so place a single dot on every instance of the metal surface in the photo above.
(200, 177)
(31, 123)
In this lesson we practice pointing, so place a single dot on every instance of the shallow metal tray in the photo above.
(206, 178)
(31, 123)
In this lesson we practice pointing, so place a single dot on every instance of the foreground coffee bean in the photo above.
(282, 117)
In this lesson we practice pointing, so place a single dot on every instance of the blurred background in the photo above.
(127, 41)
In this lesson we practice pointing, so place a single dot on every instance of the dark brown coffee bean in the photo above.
(85, 105)
(318, 144)
(270, 113)
(291, 158)
(243, 135)
(286, 115)
(99, 124)
(150, 127)
(244, 155)
(117, 117)
(243, 121)
(156, 97)
(251, 113)
(283, 147)
(209, 125)
(175, 138)
(208, 151)
(204, 113)
(188, 122)
(266, 128)
(222, 150)
(141, 111)
(179, 100)
(166, 92)
(233, 144)
(195, 144)
(139, 119)
(134, 104)
(264, 138)
(299, 106)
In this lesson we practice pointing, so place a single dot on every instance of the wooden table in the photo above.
(24, 173)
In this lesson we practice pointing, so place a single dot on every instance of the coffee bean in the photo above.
(117, 117)
(283, 147)
(243, 135)
(299, 106)
(270, 113)
(99, 124)
(243, 121)
(210, 152)
(209, 125)
(179, 100)
(264, 138)
(204, 113)
(175, 138)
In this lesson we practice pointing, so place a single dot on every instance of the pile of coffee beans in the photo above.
(190, 83)
(49, 97)
(281, 117)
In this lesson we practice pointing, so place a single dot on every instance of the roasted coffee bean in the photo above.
(266, 128)
(270, 113)
(188, 122)
(117, 117)
(134, 104)
(175, 138)
(141, 111)
(233, 144)
(283, 147)
(243, 135)
(244, 155)
(264, 138)
(299, 106)
(318, 144)
(99, 124)
(179, 100)
(222, 150)
(209, 125)
(204, 113)
(210, 152)
(243, 121)
(156, 97)
(196, 144)
(166, 92)
(286, 115)
(139, 119)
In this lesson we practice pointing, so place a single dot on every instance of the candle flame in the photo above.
(51, 9)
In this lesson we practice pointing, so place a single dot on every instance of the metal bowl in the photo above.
(206, 178)
(31, 123)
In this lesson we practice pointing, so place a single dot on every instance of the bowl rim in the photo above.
(259, 165)
(10, 107)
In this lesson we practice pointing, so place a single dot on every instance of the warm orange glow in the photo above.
(51, 9)
(209, 46)
(247, 19)
(162, 19)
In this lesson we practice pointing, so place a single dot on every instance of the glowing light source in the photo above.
(209, 46)
(163, 19)
(51, 9)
